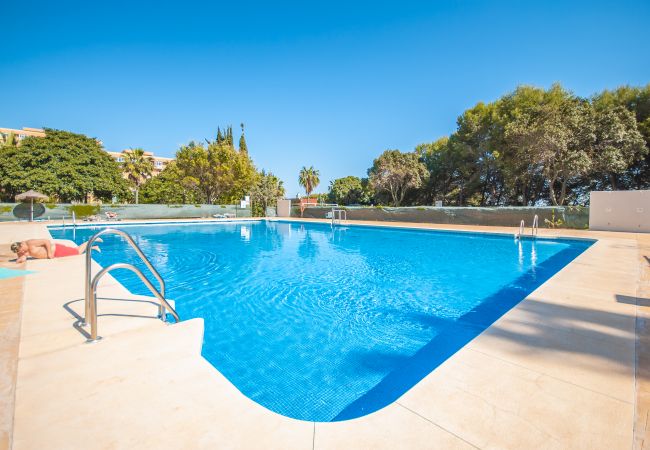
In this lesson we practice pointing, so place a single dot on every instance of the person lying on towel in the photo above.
(46, 249)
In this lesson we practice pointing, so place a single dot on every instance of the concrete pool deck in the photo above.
(565, 368)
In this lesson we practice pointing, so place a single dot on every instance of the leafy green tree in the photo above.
(194, 167)
(309, 178)
(559, 134)
(137, 167)
(65, 166)
(321, 197)
(524, 180)
(444, 165)
(619, 144)
(171, 186)
(476, 142)
(637, 101)
(232, 173)
(220, 173)
(396, 173)
(265, 192)
(349, 190)
(544, 146)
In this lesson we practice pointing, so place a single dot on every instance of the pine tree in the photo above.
(243, 148)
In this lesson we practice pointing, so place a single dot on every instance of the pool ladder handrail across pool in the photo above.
(533, 230)
(342, 215)
(90, 295)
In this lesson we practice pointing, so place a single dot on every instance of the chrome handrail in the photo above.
(520, 233)
(129, 239)
(145, 280)
(535, 228)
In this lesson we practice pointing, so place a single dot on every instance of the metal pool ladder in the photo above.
(533, 230)
(90, 296)
(342, 215)
(520, 232)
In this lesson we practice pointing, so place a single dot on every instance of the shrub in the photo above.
(554, 223)
(83, 210)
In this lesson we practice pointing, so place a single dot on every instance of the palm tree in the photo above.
(309, 179)
(137, 167)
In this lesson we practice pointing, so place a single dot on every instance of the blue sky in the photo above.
(329, 84)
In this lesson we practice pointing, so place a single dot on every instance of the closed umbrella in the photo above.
(31, 195)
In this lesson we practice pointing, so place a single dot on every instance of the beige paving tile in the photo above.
(11, 291)
(642, 406)
(578, 317)
(494, 404)
(49, 321)
(597, 299)
(390, 428)
(149, 390)
(604, 364)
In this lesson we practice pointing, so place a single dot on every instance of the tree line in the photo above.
(531, 146)
(214, 172)
(65, 166)
(71, 167)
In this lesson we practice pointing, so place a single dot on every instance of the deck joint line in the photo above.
(436, 425)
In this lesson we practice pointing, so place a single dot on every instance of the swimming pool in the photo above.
(330, 324)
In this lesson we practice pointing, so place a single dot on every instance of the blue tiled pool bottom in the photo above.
(321, 324)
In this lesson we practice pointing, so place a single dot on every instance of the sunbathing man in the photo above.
(46, 249)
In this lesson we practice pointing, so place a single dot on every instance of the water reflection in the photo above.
(533, 256)
(308, 246)
(245, 233)
(521, 257)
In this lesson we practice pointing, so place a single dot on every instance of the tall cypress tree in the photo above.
(243, 148)
(229, 139)
(219, 136)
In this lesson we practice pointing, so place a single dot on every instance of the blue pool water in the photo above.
(321, 324)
